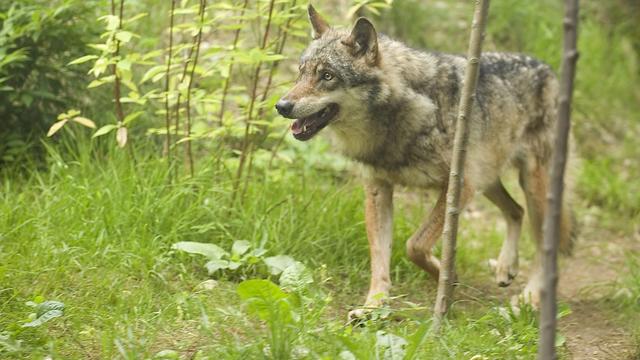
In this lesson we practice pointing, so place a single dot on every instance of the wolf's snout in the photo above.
(284, 107)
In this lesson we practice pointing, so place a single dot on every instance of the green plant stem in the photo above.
(167, 143)
(227, 81)
(182, 77)
(275, 148)
(188, 152)
(282, 35)
(245, 143)
(274, 65)
(116, 87)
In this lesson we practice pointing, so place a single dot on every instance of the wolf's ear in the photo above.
(318, 24)
(363, 41)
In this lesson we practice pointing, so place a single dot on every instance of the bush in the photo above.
(37, 40)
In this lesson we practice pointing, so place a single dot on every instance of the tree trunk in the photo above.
(447, 270)
(546, 348)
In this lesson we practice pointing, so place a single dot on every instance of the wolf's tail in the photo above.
(568, 224)
(568, 228)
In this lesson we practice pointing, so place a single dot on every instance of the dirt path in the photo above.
(593, 330)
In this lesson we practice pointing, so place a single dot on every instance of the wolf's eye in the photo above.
(327, 76)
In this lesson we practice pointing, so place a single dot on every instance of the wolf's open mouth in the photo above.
(305, 128)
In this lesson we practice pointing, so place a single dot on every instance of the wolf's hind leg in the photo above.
(422, 241)
(420, 244)
(507, 265)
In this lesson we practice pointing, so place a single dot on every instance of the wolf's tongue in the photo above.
(296, 127)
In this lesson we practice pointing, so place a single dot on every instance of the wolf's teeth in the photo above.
(304, 128)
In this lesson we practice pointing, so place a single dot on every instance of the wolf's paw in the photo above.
(358, 316)
(364, 315)
(370, 311)
(505, 271)
(529, 296)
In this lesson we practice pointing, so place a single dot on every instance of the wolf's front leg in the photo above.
(379, 221)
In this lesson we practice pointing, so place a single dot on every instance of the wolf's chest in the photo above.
(415, 176)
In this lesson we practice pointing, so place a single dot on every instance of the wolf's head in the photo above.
(338, 73)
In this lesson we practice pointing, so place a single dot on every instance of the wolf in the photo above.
(393, 109)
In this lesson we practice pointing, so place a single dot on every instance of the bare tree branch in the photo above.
(456, 175)
(552, 220)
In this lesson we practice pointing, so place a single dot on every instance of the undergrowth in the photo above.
(95, 235)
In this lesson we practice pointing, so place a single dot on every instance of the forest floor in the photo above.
(595, 329)
(591, 285)
(98, 236)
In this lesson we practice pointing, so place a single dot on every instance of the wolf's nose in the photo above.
(284, 107)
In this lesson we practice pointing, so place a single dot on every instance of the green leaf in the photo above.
(84, 122)
(45, 312)
(124, 65)
(68, 114)
(129, 118)
(136, 17)
(124, 36)
(152, 54)
(209, 250)
(215, 265)
(121, 136)
(392, 346)
(55, 127)
(98, 82)
(240, 247)
(415, 341)
(101, 47)
(563, 310)
(160, 69)
(277, 264)
(112, 21)
(259, 252)
(296, 277)
(48, 305)
(104, 130)
(167, 355)
(83, 59)
(264, 298)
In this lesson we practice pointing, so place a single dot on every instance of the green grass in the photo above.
(95, 233)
